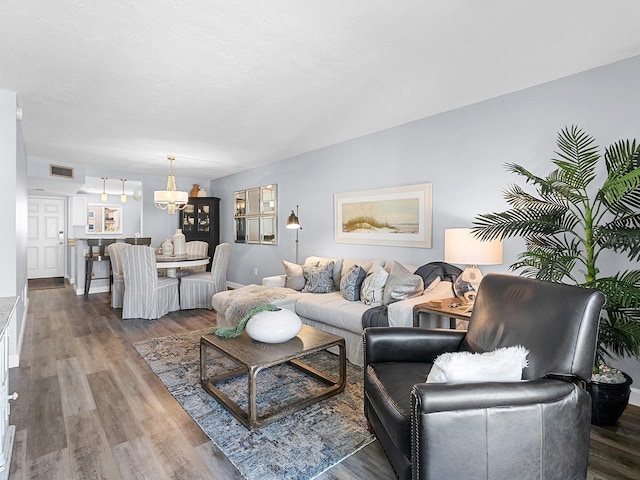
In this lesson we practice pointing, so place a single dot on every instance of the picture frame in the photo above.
(395, 216)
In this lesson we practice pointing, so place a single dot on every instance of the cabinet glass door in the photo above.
(189, 218)
(204, 218)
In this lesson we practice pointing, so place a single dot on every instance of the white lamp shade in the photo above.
(170, 196)
(462, 248)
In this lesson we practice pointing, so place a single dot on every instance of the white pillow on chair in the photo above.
(500, 365)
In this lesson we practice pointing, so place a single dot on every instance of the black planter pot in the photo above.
(608, 401)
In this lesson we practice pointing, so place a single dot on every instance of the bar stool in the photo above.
(92, 256)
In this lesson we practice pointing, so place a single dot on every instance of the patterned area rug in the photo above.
(299, 446)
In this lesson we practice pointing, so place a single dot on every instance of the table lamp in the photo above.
(461, 247)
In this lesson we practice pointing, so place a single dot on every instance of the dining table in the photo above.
(173, 262)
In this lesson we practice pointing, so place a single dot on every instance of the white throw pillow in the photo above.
(500, 365)
(373, 286)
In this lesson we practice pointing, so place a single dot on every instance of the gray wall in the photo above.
(13, 244)
(22, 207)
(461, 153)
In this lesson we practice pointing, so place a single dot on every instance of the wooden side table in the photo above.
(442, 308)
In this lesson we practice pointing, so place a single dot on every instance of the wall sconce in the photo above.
(461, 247)
(123, 197)
(103, 195)
(294, 224)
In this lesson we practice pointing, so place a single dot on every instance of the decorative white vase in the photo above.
(274, 327)
(179, 243)
(202, 193)
(167, 247)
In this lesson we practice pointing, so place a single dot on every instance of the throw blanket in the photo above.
(375, 317)
(237, 330)
(378, 316)
(444, 271)
(239, 302)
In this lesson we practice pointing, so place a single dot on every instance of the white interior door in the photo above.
(45, 247)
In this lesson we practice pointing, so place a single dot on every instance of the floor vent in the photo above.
(58, 171)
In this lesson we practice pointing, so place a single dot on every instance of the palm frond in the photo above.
(619, 335)
(578, 157)
(622, 236)
(623, 156)
(553, 188)
(519, 199)
(621, 190)
(514, 223)
(548, 258)
(622, 290)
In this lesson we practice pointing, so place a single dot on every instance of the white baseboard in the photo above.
(80, 290)
(233, 285)
(14, 359)
(634, 399)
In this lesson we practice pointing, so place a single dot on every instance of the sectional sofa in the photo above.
(344, 295)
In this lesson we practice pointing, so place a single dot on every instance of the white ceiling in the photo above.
(226, 86)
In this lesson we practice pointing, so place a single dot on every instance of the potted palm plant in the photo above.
(587, 205)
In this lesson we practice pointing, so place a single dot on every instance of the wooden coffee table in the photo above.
(251, 357)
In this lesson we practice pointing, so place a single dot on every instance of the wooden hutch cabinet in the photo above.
(200, 220)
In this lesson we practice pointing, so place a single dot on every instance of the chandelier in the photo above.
(170, 199)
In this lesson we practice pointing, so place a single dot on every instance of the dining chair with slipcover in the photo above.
(534, 428)
(117, 289)
(194, 247)
(145, 294)
(197, 289)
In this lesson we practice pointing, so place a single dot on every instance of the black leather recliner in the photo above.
(537, 428)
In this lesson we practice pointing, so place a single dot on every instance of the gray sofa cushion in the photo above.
(332, 309)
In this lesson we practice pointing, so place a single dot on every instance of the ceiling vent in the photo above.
(58, 171)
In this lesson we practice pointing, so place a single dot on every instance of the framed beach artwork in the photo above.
(396, 216)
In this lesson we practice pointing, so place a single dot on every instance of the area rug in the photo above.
(298, 447)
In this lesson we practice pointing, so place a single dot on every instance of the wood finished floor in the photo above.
(90, 408)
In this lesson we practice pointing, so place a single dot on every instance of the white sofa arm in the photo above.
(275, 281)
(400, 313)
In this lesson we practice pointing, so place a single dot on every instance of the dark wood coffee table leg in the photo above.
(250, 419)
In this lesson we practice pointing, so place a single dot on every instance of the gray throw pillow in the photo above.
(401, 284)
(295, 275)
(319, 279)
(351, 283)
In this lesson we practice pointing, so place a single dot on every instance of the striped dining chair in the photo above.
(195, 247)
(145, 294)
(117, 290)
(197, 289)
